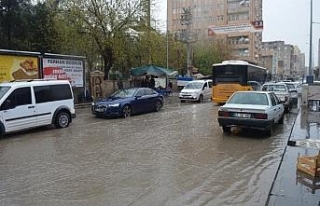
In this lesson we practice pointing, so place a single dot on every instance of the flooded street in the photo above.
(178, 156)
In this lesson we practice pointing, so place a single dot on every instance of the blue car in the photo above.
(125, 102)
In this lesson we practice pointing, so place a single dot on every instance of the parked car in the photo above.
(281, 90)
(298, 86)
(125, 102)
(256, 86)
(293, 92)
(251, 109)
(196, 90)
(27, 104)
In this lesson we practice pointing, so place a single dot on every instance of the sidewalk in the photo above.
(292, 187)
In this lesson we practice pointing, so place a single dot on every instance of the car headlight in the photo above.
(194, 94)
(92, 103)
(114, 105)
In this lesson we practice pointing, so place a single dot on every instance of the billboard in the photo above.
(254, 26)
(64, 69)
(14, 67)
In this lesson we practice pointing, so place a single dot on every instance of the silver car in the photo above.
(251, 109)
(282, 91)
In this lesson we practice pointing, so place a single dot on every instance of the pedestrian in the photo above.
(147, 81)
(152, 82)
(170, 85)
(120, 83)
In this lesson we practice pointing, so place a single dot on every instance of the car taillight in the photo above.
(223, 113)
(260, 116)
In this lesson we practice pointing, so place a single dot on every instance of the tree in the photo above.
(209, 53)
(105, 21)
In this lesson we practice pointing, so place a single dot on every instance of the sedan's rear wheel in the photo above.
(158, 105)
(226, 129)
(126, 111)
(269, 131)
(281, 119)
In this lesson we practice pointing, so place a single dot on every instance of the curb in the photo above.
(82, 105)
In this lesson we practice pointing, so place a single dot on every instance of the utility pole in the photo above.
(149, 29)
(310, 43)
(186, 19)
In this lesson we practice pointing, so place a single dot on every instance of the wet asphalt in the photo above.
(178, 156)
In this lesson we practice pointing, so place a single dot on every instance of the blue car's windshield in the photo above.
(124, 93)
(194, 85)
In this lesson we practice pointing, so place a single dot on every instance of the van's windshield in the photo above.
(194, 85)
(3, 91)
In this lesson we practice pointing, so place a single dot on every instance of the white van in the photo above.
(27, 104)
(196, 90)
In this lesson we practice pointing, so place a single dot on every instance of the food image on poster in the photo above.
(27, 70)
(18, 67)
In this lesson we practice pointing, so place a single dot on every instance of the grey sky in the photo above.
(284, 20)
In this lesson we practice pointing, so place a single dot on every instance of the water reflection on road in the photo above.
(178, 156)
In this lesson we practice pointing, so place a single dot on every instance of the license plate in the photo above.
(99, 109)
(242, 115)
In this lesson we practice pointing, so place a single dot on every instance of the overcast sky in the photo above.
(284, 20)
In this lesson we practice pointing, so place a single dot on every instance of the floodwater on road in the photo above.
(178, 156)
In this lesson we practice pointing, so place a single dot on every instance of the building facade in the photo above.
(237, 23)
(272, 58)
(282, 60)
(319, 53)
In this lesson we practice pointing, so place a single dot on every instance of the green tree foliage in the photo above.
(208, 53)
(26, 26)
(105, 21)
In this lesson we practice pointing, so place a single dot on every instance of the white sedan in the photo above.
(251, 109)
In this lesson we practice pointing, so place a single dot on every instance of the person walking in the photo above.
(152, 82)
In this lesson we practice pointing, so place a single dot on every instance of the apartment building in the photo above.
(237, 23)
(319, 53)
(283, 60)
(272, 58)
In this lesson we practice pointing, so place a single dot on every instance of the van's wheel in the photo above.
(182, 101)
(200, 98)
(62, 120)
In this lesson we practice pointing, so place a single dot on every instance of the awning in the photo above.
(152, 70)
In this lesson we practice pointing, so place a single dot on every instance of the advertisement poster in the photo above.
(18, 67)
(64, 69)
(255, 26)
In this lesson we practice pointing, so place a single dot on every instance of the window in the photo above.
(140, 93)
(20, 96)
(273, 101)
(52, 93)
(148, 91)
